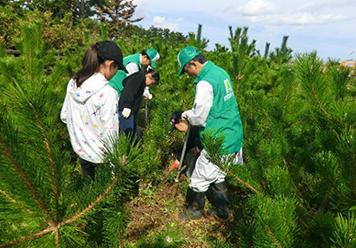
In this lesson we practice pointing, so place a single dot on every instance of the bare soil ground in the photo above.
(152, 212)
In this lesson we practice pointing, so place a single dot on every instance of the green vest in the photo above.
(134, 58)
(116, 81)
(224, 115)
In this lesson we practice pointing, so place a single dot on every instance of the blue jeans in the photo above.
(128, 127)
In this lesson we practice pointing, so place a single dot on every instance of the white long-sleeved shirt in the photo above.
(132, 68)
(91, 115)
(203, 101)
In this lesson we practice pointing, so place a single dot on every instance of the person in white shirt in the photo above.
(90, 108)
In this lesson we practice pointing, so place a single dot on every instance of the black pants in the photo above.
(88, 168)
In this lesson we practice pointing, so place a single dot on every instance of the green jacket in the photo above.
(116, 81)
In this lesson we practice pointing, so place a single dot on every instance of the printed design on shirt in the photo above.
(229, 91)
(95, 112)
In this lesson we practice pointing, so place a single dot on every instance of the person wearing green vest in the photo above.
(134, 63)
(215, 109)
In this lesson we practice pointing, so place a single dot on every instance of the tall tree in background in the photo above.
(59, 8)
(72, 14)
(117, 13)
(197, 40)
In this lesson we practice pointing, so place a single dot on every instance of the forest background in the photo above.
(297, 185)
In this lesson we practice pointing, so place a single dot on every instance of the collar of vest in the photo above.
(203, 71)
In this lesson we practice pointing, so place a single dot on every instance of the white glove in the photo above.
(147, 94)
(184, 115)
(126, 113)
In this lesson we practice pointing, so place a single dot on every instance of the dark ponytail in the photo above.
(147, 69)
(90, 65)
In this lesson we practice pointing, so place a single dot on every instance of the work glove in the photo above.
(184, 115)
(175, 165)
(146, 93)
(126, 113)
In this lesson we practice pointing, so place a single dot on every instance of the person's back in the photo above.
(90, 107)
(85, 106)
(133, 87)
(224, 116)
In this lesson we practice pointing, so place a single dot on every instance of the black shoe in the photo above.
(188, 216)
(196, 202)
(211, 213)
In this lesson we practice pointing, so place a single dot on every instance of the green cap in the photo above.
(153, 56)
(187, 54)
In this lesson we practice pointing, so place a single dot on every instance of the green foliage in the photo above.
(295, 189)
(298, 144)
(59, 34)
(275, 223)
(197, 40)
(344, 235)
(8, 19)
(169, 238)
(45, 201)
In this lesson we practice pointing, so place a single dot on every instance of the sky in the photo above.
(325, 26)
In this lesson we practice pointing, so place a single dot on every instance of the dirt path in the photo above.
(152, 214)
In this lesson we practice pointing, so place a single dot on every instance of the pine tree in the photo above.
(44, 200)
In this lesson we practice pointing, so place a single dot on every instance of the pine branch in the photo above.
(299, 194)
(50, 157)
(238, 179)
(319, 103)
(22, 239)
(14, 201)
(92, 205)
(285, 102)
(218, 163)
(54, 226)
(296, 188)
(353, 176)
(303, 223)
(46, 141)
(273, 238)
(27, 182)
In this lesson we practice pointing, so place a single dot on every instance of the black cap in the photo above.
(175, 117)
(110, 50)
